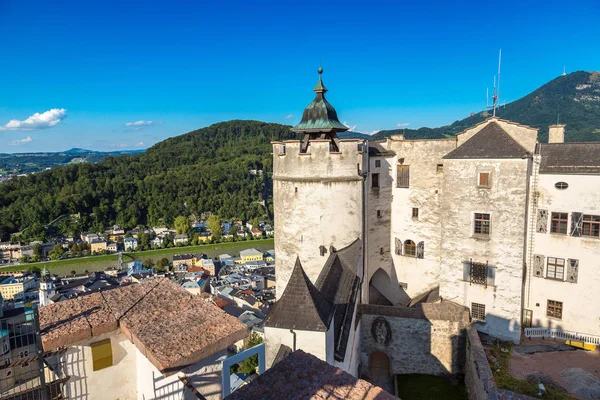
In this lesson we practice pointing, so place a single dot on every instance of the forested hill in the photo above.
(207, 170)
(576, 97)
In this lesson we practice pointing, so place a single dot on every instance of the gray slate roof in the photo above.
(301, 305)
(570, 158)
(490, 142)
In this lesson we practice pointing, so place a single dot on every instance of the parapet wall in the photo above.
(478, 374)
(428, 339)
(319, 162)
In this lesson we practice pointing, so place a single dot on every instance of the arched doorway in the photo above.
(379, 370)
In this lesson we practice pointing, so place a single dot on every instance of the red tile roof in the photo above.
(221, 303)
(171, 327)
(303, 376)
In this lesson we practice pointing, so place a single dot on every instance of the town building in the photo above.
(14, 287)
(47, 288)
(130, 243)
(251, 255)
(98, 245)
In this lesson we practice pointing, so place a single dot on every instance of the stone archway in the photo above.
(379, 370)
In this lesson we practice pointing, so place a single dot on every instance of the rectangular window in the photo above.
(374, 180)
(378, 213)
(559, 223)
(591, 225)
(555, 309)
(478, 311)
(556, 268)
(101, 354)
(484, 179)
(440, 168)
(415, 213)
(377, 163)
(482, 224)
(403, 176)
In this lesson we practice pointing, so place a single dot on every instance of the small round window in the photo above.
(561, 185)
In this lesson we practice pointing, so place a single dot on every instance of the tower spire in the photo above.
(319, 120)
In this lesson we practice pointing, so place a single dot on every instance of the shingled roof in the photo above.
(570, 158)
(339, 284)
(490, 142)
(301, 305)
(303, 376)
(169, 326)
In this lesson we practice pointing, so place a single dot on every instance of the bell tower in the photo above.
(47, 288)
(318, 191)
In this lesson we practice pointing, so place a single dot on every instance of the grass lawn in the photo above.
(99, 260)
(429, 387)
(499, 363)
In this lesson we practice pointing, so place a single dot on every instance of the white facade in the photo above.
(577, 291)
(133, 377)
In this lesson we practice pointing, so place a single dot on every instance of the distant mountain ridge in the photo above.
(572, 99)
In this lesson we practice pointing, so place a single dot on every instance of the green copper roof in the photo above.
(319, 115)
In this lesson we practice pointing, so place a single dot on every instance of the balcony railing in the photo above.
(564, 335)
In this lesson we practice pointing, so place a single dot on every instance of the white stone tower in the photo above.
(318, 191)
(47, 288)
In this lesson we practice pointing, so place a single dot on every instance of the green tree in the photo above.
(35, 270)
(148, 263)
(214, 225)
(248, 366)
(73, 272)
(182, 225)
(37, 249)
(163, 264)
(56, 252)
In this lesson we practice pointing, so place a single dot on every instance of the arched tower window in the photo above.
(410, 250)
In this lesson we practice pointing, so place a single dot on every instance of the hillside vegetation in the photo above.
(202, 171)
(576, 97)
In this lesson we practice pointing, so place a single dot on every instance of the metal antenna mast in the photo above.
(496, 94)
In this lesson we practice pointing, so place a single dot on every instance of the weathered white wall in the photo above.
(378, 227)
(116, 382)
(581, 310)
(314, 343)
(506, 201)
(425, 193)
(205, 376)
(318, 201)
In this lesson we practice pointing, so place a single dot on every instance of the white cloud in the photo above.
(119, 145)
(403, 124)
(139, 144)
(350, 127)
(141, 123)
(45, 120)
(289, 116)
(22, 141)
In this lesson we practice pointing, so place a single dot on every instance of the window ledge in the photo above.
(485, 238)
(553, 318)
(558, 234)
(554, 279)
(484, 187)
(479, 284)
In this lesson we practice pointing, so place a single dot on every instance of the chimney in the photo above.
(556, 134)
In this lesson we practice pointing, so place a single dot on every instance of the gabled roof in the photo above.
(491, 142)
(168, 325)
(570, 158)
(301, 305)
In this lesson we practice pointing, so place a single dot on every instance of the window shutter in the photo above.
(576, 224)
(398, 247)
(538, 266)
(542, 221)
(420, 249)
(572, 270)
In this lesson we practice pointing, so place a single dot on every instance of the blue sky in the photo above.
(88, 68)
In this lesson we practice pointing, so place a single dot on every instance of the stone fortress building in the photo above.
(491, 222)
